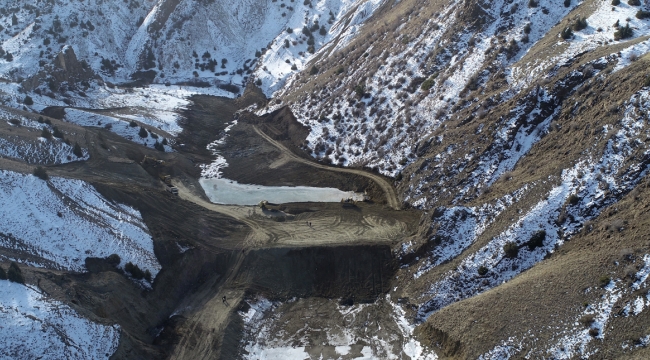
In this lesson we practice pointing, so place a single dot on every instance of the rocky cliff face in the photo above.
(65, 72)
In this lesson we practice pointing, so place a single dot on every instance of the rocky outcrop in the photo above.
(65, 73)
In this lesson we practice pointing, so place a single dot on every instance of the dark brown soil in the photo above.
(220, 260)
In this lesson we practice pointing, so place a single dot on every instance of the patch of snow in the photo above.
(63, 221)
(213, 170)
(40, 151)
(34, 326)
(121, 127)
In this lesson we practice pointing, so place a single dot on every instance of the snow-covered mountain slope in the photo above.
(60, 222)
(421, 73)
(36, 326)
(59, 53)
(39, 151)
(23, 139)
(214, 42)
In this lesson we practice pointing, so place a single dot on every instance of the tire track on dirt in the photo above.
(388, 189)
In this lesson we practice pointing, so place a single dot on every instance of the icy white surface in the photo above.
(64, 221)
(35, 327)
(213, 170)
(280, 62)
(224, 191)
(502, 351)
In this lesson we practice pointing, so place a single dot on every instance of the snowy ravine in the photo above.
(353, 332)
(213, 170)
(458, 227)
(63, 221)
(35, 327)
(591, 184)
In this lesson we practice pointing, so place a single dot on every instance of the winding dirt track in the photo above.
(391, 196)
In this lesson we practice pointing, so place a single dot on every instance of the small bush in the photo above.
(634, 2)
(360, 89)
(15, 274)
(46, 133)
(134, 270)
(594, 332)
(28, 100)
(77, 150)
(587, 320)
(57, 133)
(647, 81)
(113, 259)
(313, 70)
(40, 173)
(3, 274)
(133, 124)
(15, 122)
(567, 3)
(164, 141)
(143, 133)
(482, 270)
(147, 275)
(40, 120)
(642, 14)
(623, 33)
(616, 2)
(537, 240)
(580, 24)
(567, 34)
(428, 84)
(604, 280)
(511, 249)
(532, 3)
(158, 146)
(527, 28)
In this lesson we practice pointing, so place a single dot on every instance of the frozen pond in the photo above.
(224, 191)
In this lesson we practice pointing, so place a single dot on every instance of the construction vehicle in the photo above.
(152, 161)
(167, 179)
(173, 190)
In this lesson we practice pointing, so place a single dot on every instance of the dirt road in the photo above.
(207, 315)
(333, 226)
(388, 189)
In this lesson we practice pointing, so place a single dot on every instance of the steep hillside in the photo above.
(502, 148)
(206, 42)
(515, 124)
